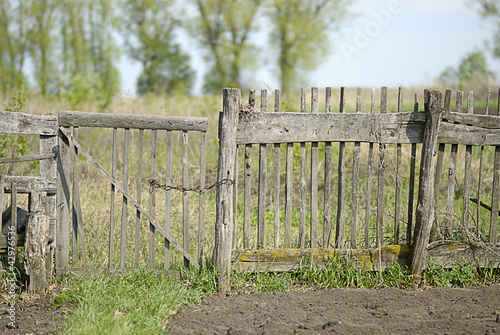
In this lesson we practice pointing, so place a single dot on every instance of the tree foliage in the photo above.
(150, 27)
(490, 9)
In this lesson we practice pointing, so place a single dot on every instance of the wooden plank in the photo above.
(201, 200)
(137, 237)
(12, 226)
(27, 124)
(397, 204)
(132, 121)
(124, 221)
(276, 176)
(327, 209)
(369, 181)
(340, 229)
(468, 173)
(439, 168)
(27, 158)
(152, 199)
(302, 186)
(168, 181)
(185, 194)
(63, 198)
(495, 193)
(235, 192)
(112, 201)
(450, 194)
(483, 121)
(425, 207)
(247, 196)
(132, 201)
(261, 216)
(314, 176)
(381, 175)
(288, 195)
(78, 232)
(26, 184)
(480, 173)
(228, 122)
(355, 176)
(411, 186)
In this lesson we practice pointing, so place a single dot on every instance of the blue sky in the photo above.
(390, 43)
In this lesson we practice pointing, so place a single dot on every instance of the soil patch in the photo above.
(346, 311)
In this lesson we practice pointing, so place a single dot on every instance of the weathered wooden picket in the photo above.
(242, 126)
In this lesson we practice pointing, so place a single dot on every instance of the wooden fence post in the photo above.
(63, 196)
(424, 217)
(224, 225)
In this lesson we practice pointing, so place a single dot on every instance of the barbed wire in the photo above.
(165, 187)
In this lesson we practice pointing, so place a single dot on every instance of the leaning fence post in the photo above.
(63, 196)
(224, 225)
(425, 207)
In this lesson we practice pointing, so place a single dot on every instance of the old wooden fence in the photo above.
(374, 140)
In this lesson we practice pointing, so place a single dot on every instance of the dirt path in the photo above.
(344, 311)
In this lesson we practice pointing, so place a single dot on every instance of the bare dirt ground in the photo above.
(346, 311)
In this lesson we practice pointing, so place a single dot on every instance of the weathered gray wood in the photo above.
(228, 122)
(235, 193)
(468, 172)
(411, 186)
(369, 181)
(288, 195)
(340, 229)
(12, 240)
(450, 194)
(381, 175)
(483, 121)
(314, 176)
(425, 206)
(355, 176)
(27, 158)
(36, 241)
(185, 194)
(26, 124)
(132, 121)
(247, 196)
(63, 201)
(276, 176)
(26, 184)
(2, 183)
(327, 215)
(397, 205)
(495, 193)
(152, 199)
(112, 201)
(480, 173)
(168, 180)
(261, 216)
(201, 200)
(302, 186)
(78, 232)
(137, 236)
(132, 200)
(124, 221)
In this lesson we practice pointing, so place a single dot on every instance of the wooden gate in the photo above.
(72, 124)
(308, 202)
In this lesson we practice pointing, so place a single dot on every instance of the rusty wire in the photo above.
(156, 184)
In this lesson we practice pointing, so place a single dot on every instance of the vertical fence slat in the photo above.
(78, 232)
(450, 193)
(355, 176)
(112, 202)
(123, 240)
(235, 192)
(495, 193)
(247, 196)
(137, 238)
(369, 181)
(327, 215)
(152, 199)
(276, 196)
(261, 224)
(201, 205)
(2, 188)
(302, 189)
(340, 230)
(397, 205)
(168, 181)
(381, 176)
(63, 198)
(185, 195)
(13, 219)
(288, 195)
(411, 186)
(314, 176)
(468, 173)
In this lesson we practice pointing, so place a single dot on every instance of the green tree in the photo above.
(13, 46)
(490, 9)
(300, 34)
(149, 29)
(223, 27)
